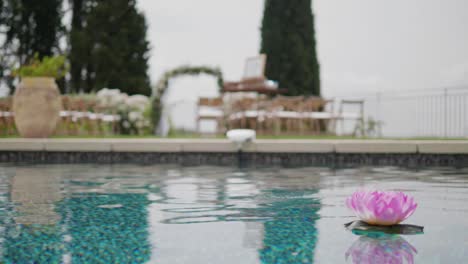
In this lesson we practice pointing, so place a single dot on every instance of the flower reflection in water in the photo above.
(384, 249)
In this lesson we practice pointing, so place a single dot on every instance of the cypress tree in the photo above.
(288, 39)
(78, 42)
(109, 46)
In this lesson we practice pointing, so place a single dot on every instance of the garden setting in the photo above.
(221, 131)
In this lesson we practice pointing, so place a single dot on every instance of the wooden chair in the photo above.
(110, 120)
(316, 115)
(77, 111)
(86, 116)
(93, 117)
(7, 120)
(211, 109)
(284, 115)
(65, 116)
(244, 113)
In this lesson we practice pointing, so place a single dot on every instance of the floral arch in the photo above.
(163, 84)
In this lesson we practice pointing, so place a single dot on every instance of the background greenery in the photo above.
(105, 41)
(288, 39)
(29, 28)
(108, 47)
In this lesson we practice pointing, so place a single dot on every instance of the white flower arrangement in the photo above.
(131, 109)
(111, 98)
(137, 102)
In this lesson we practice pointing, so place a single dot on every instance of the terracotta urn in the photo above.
(36, 105)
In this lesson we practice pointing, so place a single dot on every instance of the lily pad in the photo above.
(362, 228)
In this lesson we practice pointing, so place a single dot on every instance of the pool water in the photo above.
(171, 214)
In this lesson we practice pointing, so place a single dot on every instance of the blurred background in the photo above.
(407, 60)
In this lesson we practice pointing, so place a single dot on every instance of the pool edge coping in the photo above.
(224, 145)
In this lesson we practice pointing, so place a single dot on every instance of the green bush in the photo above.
(55, 67)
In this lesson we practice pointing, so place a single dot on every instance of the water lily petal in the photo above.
(384, 208)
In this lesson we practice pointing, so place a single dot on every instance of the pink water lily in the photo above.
(381, 208)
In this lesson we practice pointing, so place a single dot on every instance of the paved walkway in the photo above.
(222, 145)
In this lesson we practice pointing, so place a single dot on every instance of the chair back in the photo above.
(210, 108)
(7, 125)
(5, 104)
(210, 101)
(244, 103)
(254, 70)
(352, 110)
(316, 104)
(288, 103)
(352, 104)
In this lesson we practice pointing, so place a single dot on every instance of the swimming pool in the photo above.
(173, 214)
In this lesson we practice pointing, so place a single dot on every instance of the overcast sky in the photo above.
(363, 45)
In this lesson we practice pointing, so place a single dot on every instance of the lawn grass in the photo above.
(212, 136)
(333, 137)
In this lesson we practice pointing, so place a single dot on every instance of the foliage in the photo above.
(77, 42)
(288, 39)
(163, 84)
(107, 42)
(55, 67)
(109, 47)
(368, 128)
(29, 28)
(3, 14)
(32, 28)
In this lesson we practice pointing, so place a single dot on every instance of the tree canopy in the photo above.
(32, 28)
(106, 41)
(109, 47)
(28, 28)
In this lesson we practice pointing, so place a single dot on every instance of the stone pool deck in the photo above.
(413, 153)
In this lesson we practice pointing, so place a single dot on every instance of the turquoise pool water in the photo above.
(170, 214)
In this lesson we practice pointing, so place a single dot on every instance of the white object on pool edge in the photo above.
(241, 136)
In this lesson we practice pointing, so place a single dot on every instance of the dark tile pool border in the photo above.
(255, 159)
(280, 152)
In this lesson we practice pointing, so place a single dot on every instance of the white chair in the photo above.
(210, 109)
(351, 110)
(254, 79)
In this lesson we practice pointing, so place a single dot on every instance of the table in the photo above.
(254, 85)
(260, 90)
